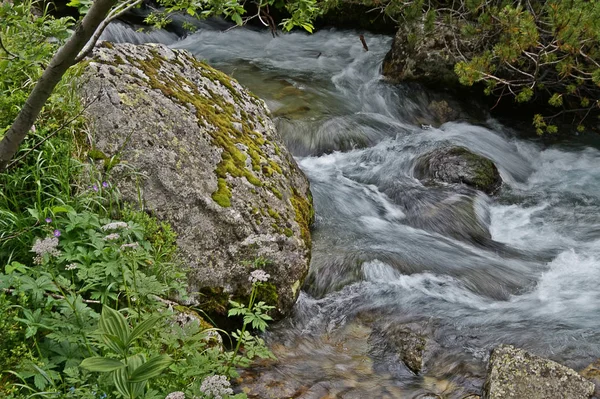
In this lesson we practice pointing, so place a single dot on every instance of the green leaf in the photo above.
(237, 18)
(120, 381)
(101, 364)
(152, 368)
(142, 328)
(114, 325)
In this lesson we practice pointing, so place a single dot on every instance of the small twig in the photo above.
(6, 50)
(92, 42)
(56, 296)
(20, 232)
(364, 42)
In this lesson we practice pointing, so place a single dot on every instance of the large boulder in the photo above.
(206, 158)
(515, 373)
(459, 165)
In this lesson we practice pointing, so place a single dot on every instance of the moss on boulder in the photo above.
(201, 152)
(459, 165)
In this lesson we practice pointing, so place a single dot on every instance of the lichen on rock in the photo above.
(207, 158)
(515, 373)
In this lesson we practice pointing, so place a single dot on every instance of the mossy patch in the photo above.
(486, 174)
(218, 115)
(267, 292)
(304, 214)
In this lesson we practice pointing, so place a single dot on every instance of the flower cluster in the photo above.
(133, 245)
(114, 226)
(258, 276)
(47, 246)
(71, 266)
(176, 395)
(112, 237)
(215, 386)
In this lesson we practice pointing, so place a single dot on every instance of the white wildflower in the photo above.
(258, 275)
(46, 246)
(176, 395)
(215, 386)
(133, 245)
(112, 237)
(114, 226)
(71, 266)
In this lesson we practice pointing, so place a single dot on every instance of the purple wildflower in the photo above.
(104, 184)
(48, 220)
(95, 187)
(56, 233)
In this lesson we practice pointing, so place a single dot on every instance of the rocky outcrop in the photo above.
(515, 373)
(423, 55)
(459, 165)
(201, 152)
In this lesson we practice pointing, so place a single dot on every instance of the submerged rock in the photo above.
(515, 373)
(201, 152)
(459, 165)
(592, 373)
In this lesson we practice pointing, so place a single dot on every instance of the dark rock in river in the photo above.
(515, 373)
(459, 165)
(426, 56)
(202, 153)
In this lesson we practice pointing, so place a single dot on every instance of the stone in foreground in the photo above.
(515, 373)
(201, 152)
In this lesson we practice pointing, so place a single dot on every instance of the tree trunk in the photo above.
(63, 59)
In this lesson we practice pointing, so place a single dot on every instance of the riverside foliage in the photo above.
(547, 52)
(83, 277)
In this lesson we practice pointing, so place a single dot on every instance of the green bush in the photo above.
(547, 52)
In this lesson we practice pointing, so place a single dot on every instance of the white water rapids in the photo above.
(389, 249)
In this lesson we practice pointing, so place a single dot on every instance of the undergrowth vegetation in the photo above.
(85, 279)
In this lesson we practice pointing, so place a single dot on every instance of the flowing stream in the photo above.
(390, 253)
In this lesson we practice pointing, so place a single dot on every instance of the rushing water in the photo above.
(390, 252)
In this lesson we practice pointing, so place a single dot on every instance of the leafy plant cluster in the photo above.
(84, 279)
(546, 52)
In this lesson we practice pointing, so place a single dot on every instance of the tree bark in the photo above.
(63, 59)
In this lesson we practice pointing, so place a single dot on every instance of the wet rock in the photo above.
(422, 55)
(592, 373)
(411, 347)
(460, 216)
(459, 165)
(408, 341)
(515, 373)
(207, 158)
(443, 112)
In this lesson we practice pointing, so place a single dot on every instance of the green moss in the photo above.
(213, 300)
(218, 115)
(304, 214)
(96, 155)
(486, 174)
(267, 292)
(288, 232)
(273, 214)
(276, 192)
(223, 195)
